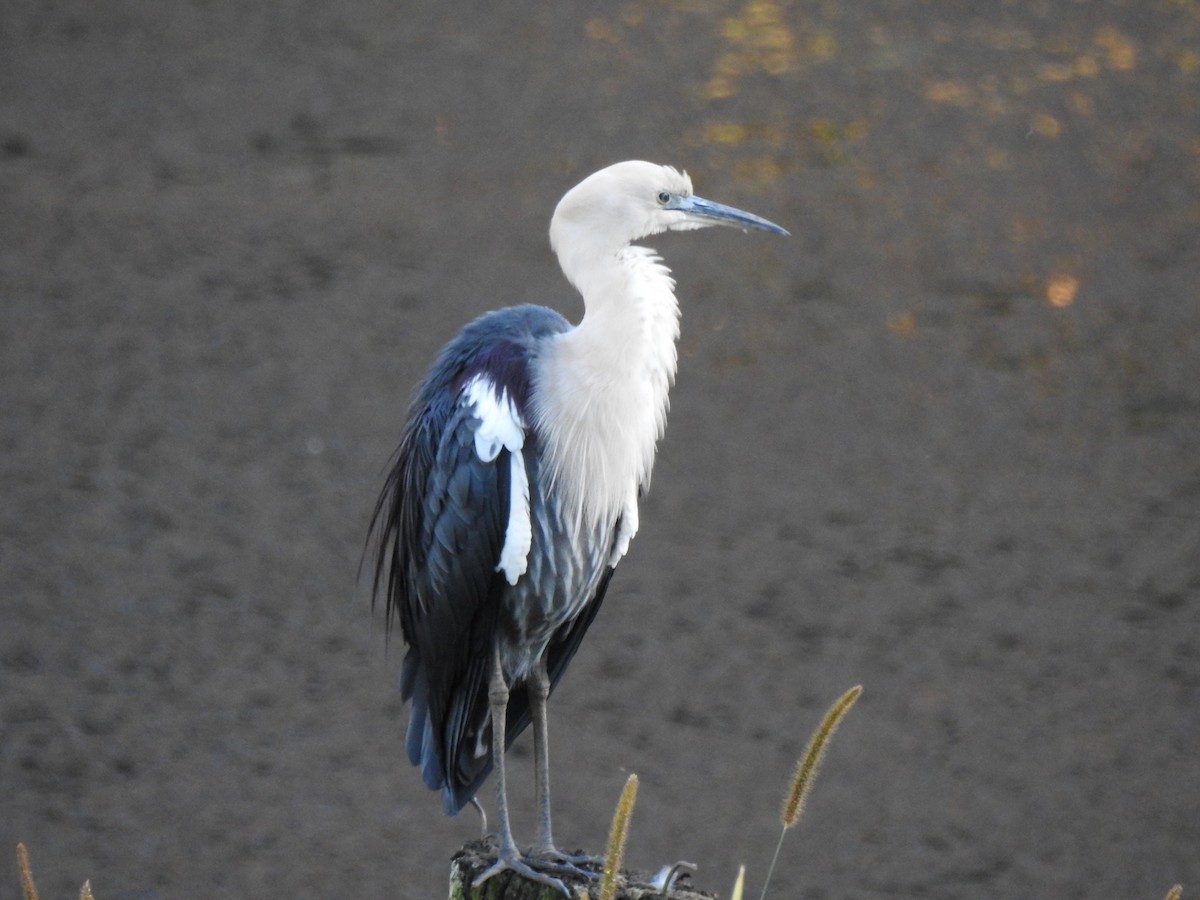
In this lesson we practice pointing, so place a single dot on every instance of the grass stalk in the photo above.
(739, 884)
(806, 771)
(26, 873)
(614, 856)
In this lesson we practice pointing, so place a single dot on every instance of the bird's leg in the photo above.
(539, 693)
(498, 700)
(507, 857)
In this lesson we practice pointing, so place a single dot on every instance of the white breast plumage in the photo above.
(601, 391)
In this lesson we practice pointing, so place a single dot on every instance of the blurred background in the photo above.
(942, 442)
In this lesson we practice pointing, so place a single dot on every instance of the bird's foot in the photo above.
(581, 865)
(510, 860)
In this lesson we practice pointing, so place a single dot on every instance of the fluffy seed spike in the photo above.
(806, 769)
(615, 854)
(26, 874)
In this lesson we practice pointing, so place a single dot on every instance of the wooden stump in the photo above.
(476, 856)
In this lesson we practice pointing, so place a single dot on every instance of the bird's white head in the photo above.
(630, 200)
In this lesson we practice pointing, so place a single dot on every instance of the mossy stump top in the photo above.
(476, 856)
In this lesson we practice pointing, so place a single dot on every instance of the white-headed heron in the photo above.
(514, 492)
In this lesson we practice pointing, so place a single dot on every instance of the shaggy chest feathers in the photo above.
(601, 393)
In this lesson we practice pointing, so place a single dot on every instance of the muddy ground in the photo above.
(942, 442)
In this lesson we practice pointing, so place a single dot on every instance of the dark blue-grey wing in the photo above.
(444, 512)
(442, 523)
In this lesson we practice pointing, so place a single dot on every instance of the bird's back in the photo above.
(447, 527)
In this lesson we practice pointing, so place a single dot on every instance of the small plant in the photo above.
(26, 873)
(27, 886)
(615, 854)
(806, 771)
(738, 885)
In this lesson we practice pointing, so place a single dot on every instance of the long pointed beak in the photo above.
(701, 212)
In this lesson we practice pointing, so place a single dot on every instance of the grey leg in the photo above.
(539, 691)
(507, 857)
(498, 700)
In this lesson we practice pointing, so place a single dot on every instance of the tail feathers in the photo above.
(410, 672)
(421, 751)
(431, 770)
(414, 740)
(418, 741)
(471, 750)
(420, 744)
(456, 796)
(453, 801)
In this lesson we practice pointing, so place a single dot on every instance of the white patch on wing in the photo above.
(501, 426)
(518, 537)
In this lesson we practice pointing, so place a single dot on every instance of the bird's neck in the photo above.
(630, 323)
(603, 391)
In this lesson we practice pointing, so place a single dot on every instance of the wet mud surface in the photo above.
(942, 442)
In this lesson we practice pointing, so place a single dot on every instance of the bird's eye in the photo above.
(664, 197)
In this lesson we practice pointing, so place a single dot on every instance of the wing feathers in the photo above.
(455, 529)
(501, 427)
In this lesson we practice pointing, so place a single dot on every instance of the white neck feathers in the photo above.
(600, 398)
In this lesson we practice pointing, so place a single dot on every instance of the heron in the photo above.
(514, 491)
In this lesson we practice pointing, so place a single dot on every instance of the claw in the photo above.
(512, 862)
(568, 863)
(664, 879)
(555, 861)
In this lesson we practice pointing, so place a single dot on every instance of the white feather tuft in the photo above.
(518, 537)
(501, 426)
